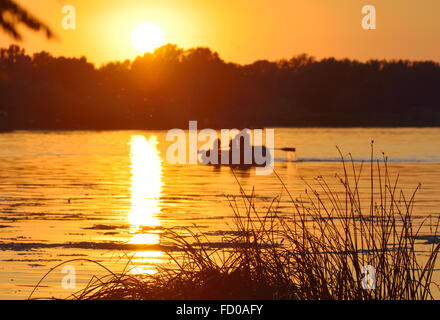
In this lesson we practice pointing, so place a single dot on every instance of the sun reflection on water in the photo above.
(146, 182)
(146, 187)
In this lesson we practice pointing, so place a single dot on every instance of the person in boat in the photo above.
(216, 146)
(241, 143)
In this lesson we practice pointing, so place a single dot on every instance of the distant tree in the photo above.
(11, 14)
(171, 86)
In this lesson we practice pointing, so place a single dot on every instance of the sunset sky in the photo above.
(241, 30)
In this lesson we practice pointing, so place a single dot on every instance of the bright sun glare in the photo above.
(147, 37)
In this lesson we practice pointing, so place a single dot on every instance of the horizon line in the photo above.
(276, 61)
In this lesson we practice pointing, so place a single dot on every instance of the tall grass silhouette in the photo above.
(318, 251)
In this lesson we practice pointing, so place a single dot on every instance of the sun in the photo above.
(147, 37)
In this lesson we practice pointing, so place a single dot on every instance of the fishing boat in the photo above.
(261, 156)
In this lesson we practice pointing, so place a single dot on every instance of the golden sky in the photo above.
(242, 30)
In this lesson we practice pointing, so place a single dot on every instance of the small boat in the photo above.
(260, 151)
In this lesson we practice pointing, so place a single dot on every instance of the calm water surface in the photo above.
(107, 196)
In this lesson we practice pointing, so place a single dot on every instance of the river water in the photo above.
(106, 196)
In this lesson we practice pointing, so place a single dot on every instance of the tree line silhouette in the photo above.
(168, 88)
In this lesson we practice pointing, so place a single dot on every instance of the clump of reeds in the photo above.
(320, 250)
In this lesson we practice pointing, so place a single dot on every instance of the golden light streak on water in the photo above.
(146, 185)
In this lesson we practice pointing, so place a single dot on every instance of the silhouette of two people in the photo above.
(240, 150)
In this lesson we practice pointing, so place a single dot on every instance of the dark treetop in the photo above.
(171, 86)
